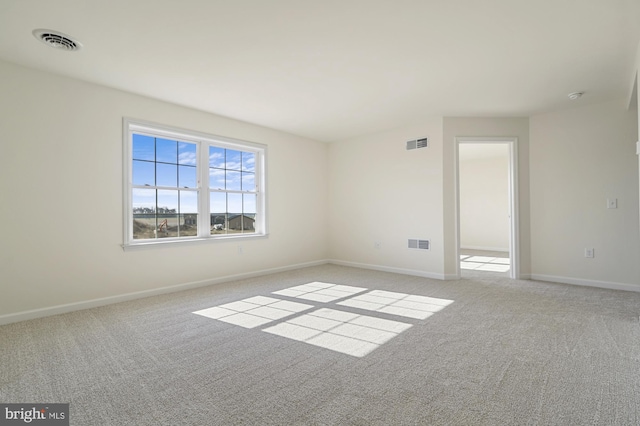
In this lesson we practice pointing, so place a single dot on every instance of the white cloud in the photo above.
(187, 158)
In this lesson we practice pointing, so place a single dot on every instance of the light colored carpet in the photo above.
(502, 353)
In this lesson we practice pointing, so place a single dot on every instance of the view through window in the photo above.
(165, 188)
(191, 186)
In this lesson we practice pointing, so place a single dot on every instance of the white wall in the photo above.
(61, 186)
(380, 192)
(484, 198)
(579, 159)
(485, 128)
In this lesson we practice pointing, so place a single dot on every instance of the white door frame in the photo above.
(514, 234)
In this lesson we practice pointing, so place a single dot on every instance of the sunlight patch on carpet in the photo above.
(254, 311)
(338, 330)
(320, 292)
(344, 332)
(406, 305)
(485, 263)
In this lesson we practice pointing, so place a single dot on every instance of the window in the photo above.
(187, 186)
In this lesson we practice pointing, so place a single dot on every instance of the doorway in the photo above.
(486, 205)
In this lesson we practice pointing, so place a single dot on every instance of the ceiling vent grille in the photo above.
(417, 143)
(57, 40)
(419, 244)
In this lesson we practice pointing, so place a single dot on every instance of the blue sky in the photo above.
(171, 163)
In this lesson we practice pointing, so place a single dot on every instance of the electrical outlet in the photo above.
(376, 245)
(588, 252)
(240, 251)
(612, 203)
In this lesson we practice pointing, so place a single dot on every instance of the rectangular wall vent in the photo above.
(419, 244)
(417, 143)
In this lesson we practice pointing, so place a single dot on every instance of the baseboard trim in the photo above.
(587, 283)
(94, 303)
(404, 271)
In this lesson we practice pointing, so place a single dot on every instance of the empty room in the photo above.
(267, 212)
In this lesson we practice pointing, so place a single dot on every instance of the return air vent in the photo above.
(419, 244)
(417, 143)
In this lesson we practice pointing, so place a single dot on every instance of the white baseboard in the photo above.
(94, 303)
(482, 248)
(588, 283)
(87, 304)
(404, 271)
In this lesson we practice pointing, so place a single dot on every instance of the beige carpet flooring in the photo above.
(333, 345)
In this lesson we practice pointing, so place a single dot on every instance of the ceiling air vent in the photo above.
(417, 143)
(419, 244)
(57, 40)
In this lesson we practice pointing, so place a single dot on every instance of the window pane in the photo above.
(144, 213)
(248, 161)
(216, 178)
(234, 203)
(248, 224)
(187, 153)
(187, 177)
(167, 202)
(234, 213)
(234, 160)
(233, 181)
(144, 200)
(216, 157)
(248, 181)
(188, 225)
(218, 202)
(144, 173)
(188, 202)
(167, 214)
(167, 226)
(249, 204)
(166, 151)
(144, 226)
(143, 148)
(218, 209)
(167, 175)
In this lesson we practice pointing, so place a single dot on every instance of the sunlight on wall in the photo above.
(341, 331)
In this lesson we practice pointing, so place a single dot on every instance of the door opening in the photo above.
(486, 205)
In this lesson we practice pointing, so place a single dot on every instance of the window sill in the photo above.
(155, 244)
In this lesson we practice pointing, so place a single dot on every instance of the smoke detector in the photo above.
(575, 95)
(57, 40)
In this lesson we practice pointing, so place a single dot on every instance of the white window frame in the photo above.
(202, 141)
